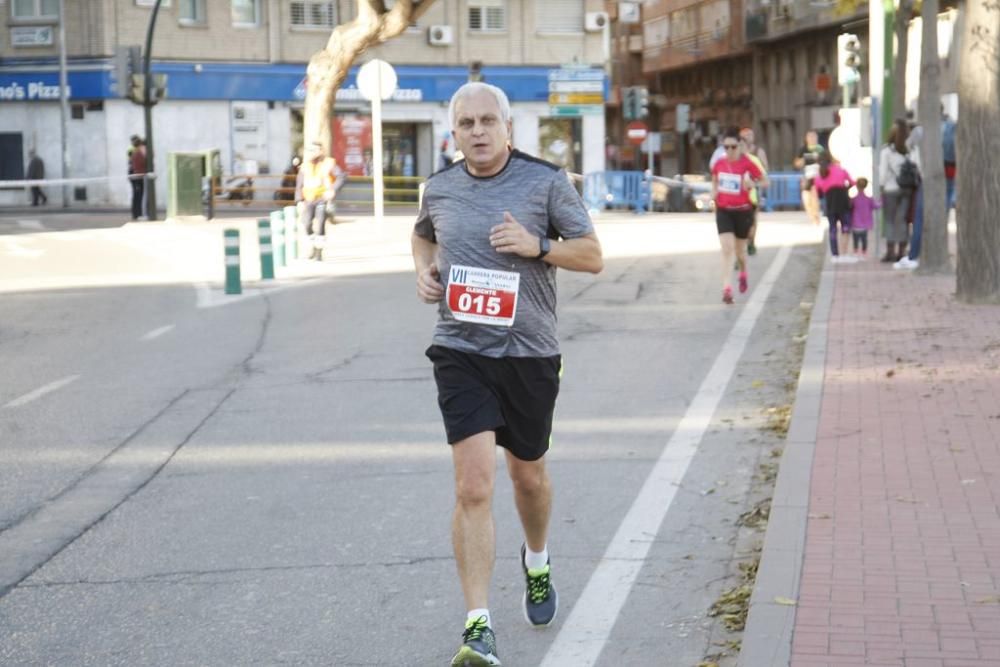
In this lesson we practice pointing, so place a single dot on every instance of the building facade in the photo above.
(233, 76)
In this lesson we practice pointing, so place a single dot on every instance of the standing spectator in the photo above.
(862, 218)
(895, 199)
(913, 142)
(733, 179)
(315, 189)
(948, 146)
(759, 156)
(137, 175)
(832, 183)
(808, 161)
(36, 172)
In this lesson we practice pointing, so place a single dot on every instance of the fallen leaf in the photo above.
(757, 384)
(906, 500)
(889, 373)
(992, 599)
(819, 516)
(785, 601)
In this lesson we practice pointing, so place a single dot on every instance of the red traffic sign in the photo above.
(636, 132)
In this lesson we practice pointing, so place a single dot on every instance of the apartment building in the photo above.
(765, 64)
(234, 80)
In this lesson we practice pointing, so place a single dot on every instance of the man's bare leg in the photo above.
(533, 498)
(473, 533)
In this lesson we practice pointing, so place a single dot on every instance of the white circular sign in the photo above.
(377, 78)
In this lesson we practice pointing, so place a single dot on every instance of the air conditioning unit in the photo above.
(439, 35)
(595, 21)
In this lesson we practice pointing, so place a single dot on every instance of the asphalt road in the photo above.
(190, 478)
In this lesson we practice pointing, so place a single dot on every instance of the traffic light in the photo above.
(128, 61)
(641, 101)
(848, 59)
(628, 103)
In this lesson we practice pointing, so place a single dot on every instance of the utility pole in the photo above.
(147, 106)
(63, 101)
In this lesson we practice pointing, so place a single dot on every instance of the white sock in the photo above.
(474, 614)
(536, 560)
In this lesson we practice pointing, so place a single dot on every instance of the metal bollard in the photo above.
(278, 237)
(266, 250)
(291, 234)
(231, 238)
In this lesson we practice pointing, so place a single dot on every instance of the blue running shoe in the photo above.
(479, 647)
(540, 600)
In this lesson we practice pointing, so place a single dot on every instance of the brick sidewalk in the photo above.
(902, 546)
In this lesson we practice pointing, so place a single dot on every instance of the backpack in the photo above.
(909, 176)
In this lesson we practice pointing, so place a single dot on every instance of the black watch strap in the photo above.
(543, 246)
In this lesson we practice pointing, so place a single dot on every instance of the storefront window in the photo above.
(559, 142)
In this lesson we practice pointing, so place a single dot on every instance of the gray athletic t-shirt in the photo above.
(457, 212)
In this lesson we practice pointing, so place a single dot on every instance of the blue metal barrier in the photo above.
(784, 191)
(617, 189)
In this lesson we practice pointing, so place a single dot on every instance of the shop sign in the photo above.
(40, 35)
(34, 90)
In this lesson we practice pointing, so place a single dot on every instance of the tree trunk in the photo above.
(934, 253)
(978, 144)
(901, 26)
(373, 24)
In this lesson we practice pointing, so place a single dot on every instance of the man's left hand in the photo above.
(510, 237)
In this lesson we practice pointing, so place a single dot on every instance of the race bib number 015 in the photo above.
(483, 296)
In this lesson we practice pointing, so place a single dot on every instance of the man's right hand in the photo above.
(429, 288)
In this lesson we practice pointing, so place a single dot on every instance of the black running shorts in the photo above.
(512, 396)
(734, 221)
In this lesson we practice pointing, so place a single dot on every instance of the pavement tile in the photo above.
(902, 551)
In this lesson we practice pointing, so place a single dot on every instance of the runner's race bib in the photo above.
(811, 171)
(730, 183)
(483, 296)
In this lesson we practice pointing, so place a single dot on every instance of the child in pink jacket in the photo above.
(862, 218)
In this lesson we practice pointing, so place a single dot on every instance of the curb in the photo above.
(767, 638)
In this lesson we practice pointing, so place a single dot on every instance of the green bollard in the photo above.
(266, 251)
(231, 238)
(291, 234)
(278, 237)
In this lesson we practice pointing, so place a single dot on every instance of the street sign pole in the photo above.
(379, 185)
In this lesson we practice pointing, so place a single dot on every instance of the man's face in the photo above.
(812, 138)
(747, 137)
(480, 133)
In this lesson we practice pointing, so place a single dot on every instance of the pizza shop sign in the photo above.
(34, 90)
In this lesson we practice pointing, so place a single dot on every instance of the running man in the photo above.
(733, 179)
(485, 248)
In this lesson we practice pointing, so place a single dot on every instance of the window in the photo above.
(246, 12)
(487, 16)
(314, 14)
(559, 16)
(35, 9)
(191, 11)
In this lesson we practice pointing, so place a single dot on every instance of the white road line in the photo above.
(585, 632)
(31, 224)
(156, 333)
(41, 391)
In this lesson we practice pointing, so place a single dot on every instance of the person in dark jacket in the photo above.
(36, 172)
(137, 162)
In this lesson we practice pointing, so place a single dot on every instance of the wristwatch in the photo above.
(543, 246)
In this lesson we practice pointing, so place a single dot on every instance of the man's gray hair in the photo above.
(476, 87)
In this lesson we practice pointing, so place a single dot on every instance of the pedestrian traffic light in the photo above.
(848, 59)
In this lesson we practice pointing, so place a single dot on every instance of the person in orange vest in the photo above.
(315, 188)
